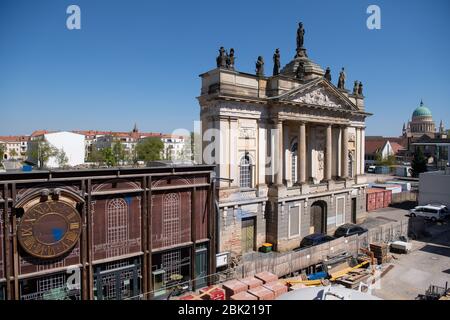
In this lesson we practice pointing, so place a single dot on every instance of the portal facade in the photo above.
(106, 234)
(289, 150)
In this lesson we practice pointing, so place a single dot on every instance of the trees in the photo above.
(118, 152)
(2, 151)
(149, 149)
(13, 153)
(61, 158)
(108, 157)
(419, 163)
(96, 156)
(42, 151)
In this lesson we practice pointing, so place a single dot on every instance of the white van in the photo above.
(433, 212)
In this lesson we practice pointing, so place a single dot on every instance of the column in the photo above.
(286, 151)
(363, 151)
(301, 149)
(233, 152)
(328, 153)
(262, 143)
(223, 148)
(358, 151)
(344, 159)
(279, 153)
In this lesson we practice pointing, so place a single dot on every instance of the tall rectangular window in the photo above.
(294, 221)
(340, 211)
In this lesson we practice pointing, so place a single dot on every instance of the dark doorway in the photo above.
(318, 217)
(353, 210)
(201, 266)
(248, 234)
(118, 280)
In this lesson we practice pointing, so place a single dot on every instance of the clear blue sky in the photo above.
(139, 61)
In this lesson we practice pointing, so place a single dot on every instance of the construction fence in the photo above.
(292, 262)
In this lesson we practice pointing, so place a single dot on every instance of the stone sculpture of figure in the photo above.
(360, 89)
(222, 58)
(300, 35)
(276, 62)
(328, 74)
(355, 88)
(300, 71)
(230, 59)
(260, 66)
(341, 81)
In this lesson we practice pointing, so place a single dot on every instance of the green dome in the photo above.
(422, 111)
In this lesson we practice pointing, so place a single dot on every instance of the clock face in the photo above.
(49, 229)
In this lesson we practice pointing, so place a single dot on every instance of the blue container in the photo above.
(27, 168)
(317, 275)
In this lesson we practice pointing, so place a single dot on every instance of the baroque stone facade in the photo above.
(289, 151)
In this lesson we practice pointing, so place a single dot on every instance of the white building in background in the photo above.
(14, 147)
(176, 147)
(434, 187)
(73, 145)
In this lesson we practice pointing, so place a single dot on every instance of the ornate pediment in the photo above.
(317, 96)
(319, 93)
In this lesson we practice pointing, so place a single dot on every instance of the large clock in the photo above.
(49, 229)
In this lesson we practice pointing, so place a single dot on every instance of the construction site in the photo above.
(381, 264)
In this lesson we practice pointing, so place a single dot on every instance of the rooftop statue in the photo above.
(300, 36)
(355, 88)
(341, 81)
(260, 66)
(222, 58)
(230, 59)
(328, 74)
(360, 89)
(276, 62)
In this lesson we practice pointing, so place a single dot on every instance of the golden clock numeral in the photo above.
(28, 242)
(26, 232)
(50, 251)
(74, 225)
(72, 215)
(71, 236)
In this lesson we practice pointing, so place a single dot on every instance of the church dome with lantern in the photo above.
(421, 123)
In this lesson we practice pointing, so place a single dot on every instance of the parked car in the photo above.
(349, 229)
(315, 239)
(371, 169)
(431, 211)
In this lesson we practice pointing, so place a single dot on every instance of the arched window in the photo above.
(245, 172)
(294, 170)
(117, 221)
(171, 219)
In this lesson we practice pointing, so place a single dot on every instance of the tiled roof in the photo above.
(14, 138)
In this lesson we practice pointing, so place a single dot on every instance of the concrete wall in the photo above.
(434, 187)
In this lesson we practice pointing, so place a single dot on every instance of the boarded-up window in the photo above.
(294, 221)
(340, 211)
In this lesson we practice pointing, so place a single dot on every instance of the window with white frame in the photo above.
(245, 172)
(340, 211)
(294, 221)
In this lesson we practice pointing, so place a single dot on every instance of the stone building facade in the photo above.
(289, 150)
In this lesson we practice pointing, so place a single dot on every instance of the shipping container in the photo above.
(395, 188)
(406, 186)
(376, 198)
(387, 198)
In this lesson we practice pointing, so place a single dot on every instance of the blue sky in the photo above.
(139, 61)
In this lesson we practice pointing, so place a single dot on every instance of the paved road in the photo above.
(428, 263)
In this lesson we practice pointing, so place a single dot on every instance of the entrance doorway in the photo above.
(118, 280)
(318, 217)
(248, 234)
(201, 266)
(353, 210)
